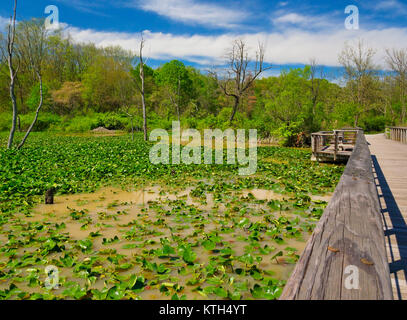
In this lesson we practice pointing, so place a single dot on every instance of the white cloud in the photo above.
(192, 12)
(290, 46)
(4, 22)
(390, 5)
(293, 18)
(282, 4)
(283, 19)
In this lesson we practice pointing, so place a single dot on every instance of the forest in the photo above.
(84, 87)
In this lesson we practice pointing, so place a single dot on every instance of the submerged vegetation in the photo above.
(158, 231)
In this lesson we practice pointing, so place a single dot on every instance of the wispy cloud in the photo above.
(290, 46)
(389, 5)
(282, 4)
(283, 19)
(393, 7)
(92, 7)
(293, 18)
(194, 12)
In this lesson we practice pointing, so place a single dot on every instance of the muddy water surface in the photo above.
(134, 222)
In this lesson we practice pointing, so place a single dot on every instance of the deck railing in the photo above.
(397, 134)
(345, 258)
(339, 139)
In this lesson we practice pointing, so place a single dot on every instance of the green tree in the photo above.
(107, 84)
(174, 78)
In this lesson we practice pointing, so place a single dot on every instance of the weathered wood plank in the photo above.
(350, 233)
(390, 158)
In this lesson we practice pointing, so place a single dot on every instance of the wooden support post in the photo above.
(49, 196)
(335, 144)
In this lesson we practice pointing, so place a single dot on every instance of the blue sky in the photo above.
(199, 32)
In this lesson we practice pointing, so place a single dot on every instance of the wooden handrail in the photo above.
(349, 238)
(397, 134)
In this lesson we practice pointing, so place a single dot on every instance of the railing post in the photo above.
(336, 144)
(313, 144)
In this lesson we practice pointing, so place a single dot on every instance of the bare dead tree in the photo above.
(32, 37)
(11, 35)
(241, 73)
(141, 88)
(360, 71)
(397, 61)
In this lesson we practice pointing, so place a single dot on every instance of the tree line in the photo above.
(48, 80)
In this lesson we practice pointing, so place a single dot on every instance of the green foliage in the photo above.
(177, 86)
(79, 124)
(375, 124)
(289, 133)
(89, 86)
(34, 97)
(5, 121)
(112, 121)
(44, 122)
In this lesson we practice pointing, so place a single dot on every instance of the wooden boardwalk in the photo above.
(364, 226)
(390, 171)
(348, 240)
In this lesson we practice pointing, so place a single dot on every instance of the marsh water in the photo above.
(111, 213)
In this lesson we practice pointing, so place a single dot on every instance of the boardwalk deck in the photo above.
(333, 146)
(390, 166)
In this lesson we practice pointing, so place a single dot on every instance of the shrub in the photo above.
(44, 121)
(5, 121)
(374, 124)
(80, 124)
(69, 97)
(288, 133)
(112, 121)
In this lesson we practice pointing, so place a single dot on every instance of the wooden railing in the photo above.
(345, 258)
(397, 134)
(333, 142)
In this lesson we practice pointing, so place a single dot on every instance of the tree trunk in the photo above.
(237, 101)
(36, 115)
(179, 99)
(10, 50)
(143, 100)
(356, 120)
(14, 104)
(132, 129)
